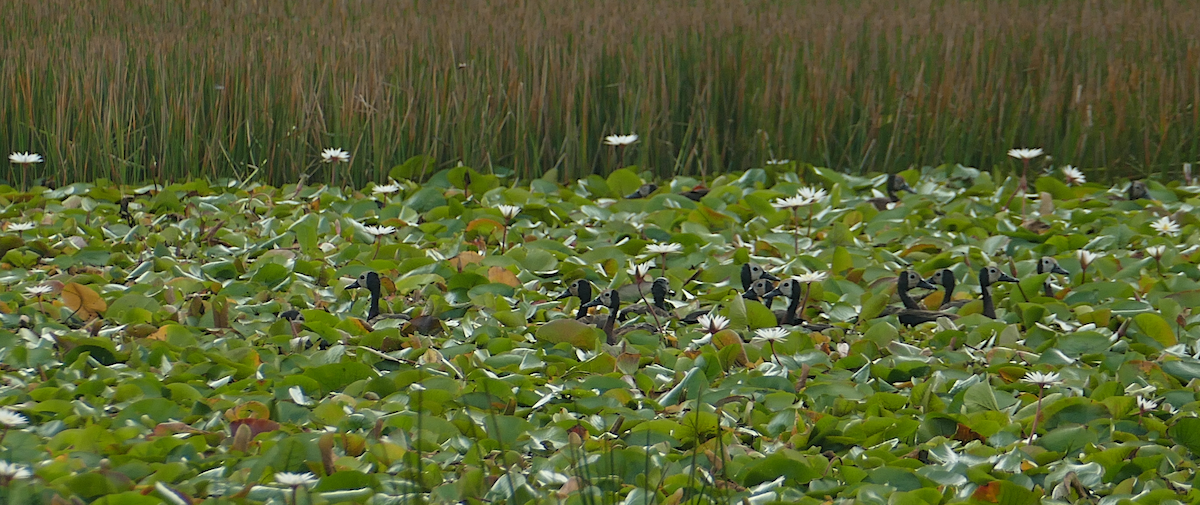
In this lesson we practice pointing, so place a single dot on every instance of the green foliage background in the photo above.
(131, 90)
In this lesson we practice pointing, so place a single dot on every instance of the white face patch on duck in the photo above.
(912, 278)
(790, 288)
(1050, 265)
(993, 275)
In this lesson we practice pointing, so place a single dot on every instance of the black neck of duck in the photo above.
(374, 310)
(793, 306)
(989, 308)
(611, 322)
(947, 283)
(907, 299)
(660, 297)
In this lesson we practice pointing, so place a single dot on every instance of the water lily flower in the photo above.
(804, 196)
(712, 323)
(775, 334)
(14, 471)
(1156, 251)
(11, 419)
(1085, 257)
(1073, 176)
(1166, 226)
(790, 202)
(639, 270)
(38, 290)
(25, 158)
(386, 189)
(1146, 404)
(509, 211)
(621, 140)
(811, 277)
(23, 226)
(663, 248)
(333, 154)
(1044, 380)
(843, 348)
(779, 162)
(379, 231)
(292, 479)
(1025, 154)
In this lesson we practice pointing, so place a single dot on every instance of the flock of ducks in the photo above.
(655, 312)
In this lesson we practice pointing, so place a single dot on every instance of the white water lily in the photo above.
(663, 248)
(38, 290)
(1156, 251)
(712, 323)
(386, 189)
(333, 154)
(14, 471)
(790, 202)
(810, 277)
(1146, 404)
(509, 211)
(1044, 380)
(1073, 176)
(291, 479)
(775, 334)
(1085, 257)
(1025, 154)
(844, 349)
(639, 270)
(379, 231)
(23, 226)
(805, 196)
(25, 158)
(12, 419)
(811, 195)
(621, 140)
(1166, 226)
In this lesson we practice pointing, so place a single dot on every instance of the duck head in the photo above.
(609, 299)
(581, 289)
(991, 275)
(660, 290)
(752, 272)
(897, 183)
(1049, 265)
(944, 278)
(909, 279)
(643, 192)
(789, 289)
(368, 280)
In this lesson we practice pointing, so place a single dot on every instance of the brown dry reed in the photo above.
(133, 90)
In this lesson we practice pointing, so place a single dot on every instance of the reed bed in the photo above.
(132, 90)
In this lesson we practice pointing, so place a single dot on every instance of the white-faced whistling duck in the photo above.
(660, 289)
(612, 300)
(369, 280)
(987, 277)
(912, 314)
(644, 191)
(894, 184)
(1048, 265)
(581, 289)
